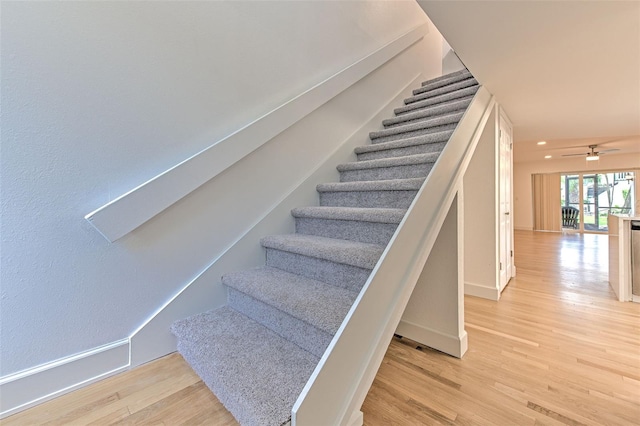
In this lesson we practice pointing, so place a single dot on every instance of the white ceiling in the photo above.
(567, 72)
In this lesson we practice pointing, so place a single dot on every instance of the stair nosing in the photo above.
(422, 114)
(467, 91)
(354, 214)
(450, 79)
(454, 85)
(449, 118)
(444, 76)
(429, 138)
(405, 160)
(408, 184)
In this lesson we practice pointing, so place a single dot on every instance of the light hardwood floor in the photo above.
(556, 349)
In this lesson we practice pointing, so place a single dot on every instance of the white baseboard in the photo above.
(36, 385)
(450, 344)
(484, 292)
(357, 419)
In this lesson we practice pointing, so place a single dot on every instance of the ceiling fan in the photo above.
(593, 155)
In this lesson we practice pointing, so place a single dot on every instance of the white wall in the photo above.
(100, 96)
(522, 171)
(480, 211)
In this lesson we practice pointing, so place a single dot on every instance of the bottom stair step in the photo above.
(256, 374)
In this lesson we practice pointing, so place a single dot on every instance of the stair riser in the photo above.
(399, 152)
(364, 232)
(387, 173)
(383, 199)
(341, 275)
(426, 116)
(441, 91)
(301, 333)
(413, 133)
(437, 84)
(419, 106)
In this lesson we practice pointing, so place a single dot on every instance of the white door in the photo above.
(506, 214)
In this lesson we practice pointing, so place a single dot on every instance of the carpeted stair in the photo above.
(257, 353)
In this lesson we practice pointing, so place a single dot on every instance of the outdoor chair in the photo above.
(570, 217)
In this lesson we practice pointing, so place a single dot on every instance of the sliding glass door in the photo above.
(570, 197)
(590, 219)
(595, 195)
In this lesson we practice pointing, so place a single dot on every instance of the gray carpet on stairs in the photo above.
(458, 94)
(257, 353)
(435, 84)
(395, 193)
(452, 75)
(424, 125)
(430, 111)
(365, 225)
(258, 382)
(307, 312)
(442, 90)
(410, 166)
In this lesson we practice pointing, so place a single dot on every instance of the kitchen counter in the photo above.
(620, 255)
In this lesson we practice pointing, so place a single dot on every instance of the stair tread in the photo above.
(402, 143)
(445, 76)
(406, 160)
(441, 99)
(435, 110)
(319, 304)
(377, 215)
(444, 81)
(410, 184)
(442, 90)
(449, 118)
(256, 374)
(362, 255)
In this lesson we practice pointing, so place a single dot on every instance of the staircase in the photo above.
(257, 353)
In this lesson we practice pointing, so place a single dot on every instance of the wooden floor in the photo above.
(556, 349)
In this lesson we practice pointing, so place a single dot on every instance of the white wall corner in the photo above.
(479, 290)
(36, 385)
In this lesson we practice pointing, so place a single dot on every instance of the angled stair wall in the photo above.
(296, 303)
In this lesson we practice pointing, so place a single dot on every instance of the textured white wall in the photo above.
(100, 96)
(522, 171)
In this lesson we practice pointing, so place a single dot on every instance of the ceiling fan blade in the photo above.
(574, 155)
(609, 150)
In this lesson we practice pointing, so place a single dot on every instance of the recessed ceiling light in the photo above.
(542, 143)
(547, 156)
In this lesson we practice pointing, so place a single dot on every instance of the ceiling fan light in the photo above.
(592, 157)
